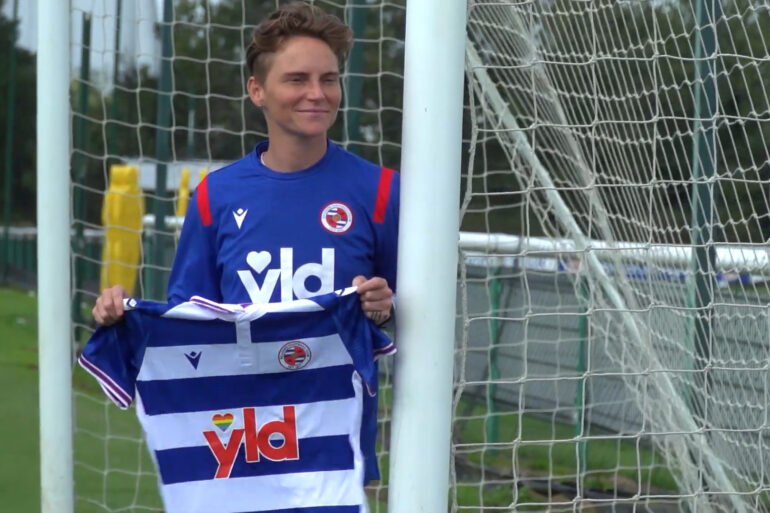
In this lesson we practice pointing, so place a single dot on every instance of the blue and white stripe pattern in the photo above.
(230, 427)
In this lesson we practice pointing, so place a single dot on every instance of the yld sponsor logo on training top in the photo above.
(293, 283)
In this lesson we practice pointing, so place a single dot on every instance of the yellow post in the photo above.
(184, 193)
(122, 213)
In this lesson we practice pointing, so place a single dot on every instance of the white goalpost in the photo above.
(609, 300)
(53, 273)
(427, 261)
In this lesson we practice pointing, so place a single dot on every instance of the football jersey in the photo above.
(247, 408)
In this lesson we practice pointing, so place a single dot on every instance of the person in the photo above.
(298, 215)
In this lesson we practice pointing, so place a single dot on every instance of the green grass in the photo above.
(19, 463)
(113, 470)
(105, 437)
(539, 449)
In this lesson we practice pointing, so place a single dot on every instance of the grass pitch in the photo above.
(105, 437)
(20, 460)
(113, 471)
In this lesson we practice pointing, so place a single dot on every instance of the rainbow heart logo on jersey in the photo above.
(222, 421)
(336, 218)
(294, 355)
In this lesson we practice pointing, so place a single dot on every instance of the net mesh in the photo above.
(619, 306)
(594, 372)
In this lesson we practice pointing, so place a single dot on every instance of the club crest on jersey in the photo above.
(336, 218)
(294, 355)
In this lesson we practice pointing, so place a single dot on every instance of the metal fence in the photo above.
(525, 338)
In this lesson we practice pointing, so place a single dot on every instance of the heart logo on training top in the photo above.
(258, 260)
(222, 421)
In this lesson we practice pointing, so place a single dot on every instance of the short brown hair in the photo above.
(297, 19)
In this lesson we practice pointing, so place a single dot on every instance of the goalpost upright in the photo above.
(427, 261)
(53, 248)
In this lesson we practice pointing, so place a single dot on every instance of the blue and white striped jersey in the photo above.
(247, 408)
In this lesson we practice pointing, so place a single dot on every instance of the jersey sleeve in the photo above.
(113, 356)
(386, 226)
(365, 343)
(195, 271)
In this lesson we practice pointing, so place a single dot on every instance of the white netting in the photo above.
(588, 119)
(580, 377)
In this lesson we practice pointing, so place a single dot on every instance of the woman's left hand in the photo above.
(376, 297)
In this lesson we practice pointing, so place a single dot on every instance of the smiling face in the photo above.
(300, 93)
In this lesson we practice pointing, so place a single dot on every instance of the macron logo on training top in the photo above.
(239, 216)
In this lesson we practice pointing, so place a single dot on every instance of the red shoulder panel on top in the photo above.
(383, 194)
(202, 198)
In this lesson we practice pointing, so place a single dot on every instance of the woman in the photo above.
(258, 221)
(298, 215)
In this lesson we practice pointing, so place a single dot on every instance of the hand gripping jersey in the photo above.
(247, 409)
(254, 235)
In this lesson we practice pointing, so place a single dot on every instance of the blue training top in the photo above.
(254, 235)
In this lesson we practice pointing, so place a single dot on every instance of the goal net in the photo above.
(622, 142)
(612, 317)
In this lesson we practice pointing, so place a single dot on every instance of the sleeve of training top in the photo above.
(195, 271)
(113, 356)
(386, 226)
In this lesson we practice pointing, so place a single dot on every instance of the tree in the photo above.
(622, 74)
(23, 155)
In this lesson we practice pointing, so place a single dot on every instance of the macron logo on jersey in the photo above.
(193, 358)
(293, 283)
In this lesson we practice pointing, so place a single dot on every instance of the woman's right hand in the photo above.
(109, 305)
